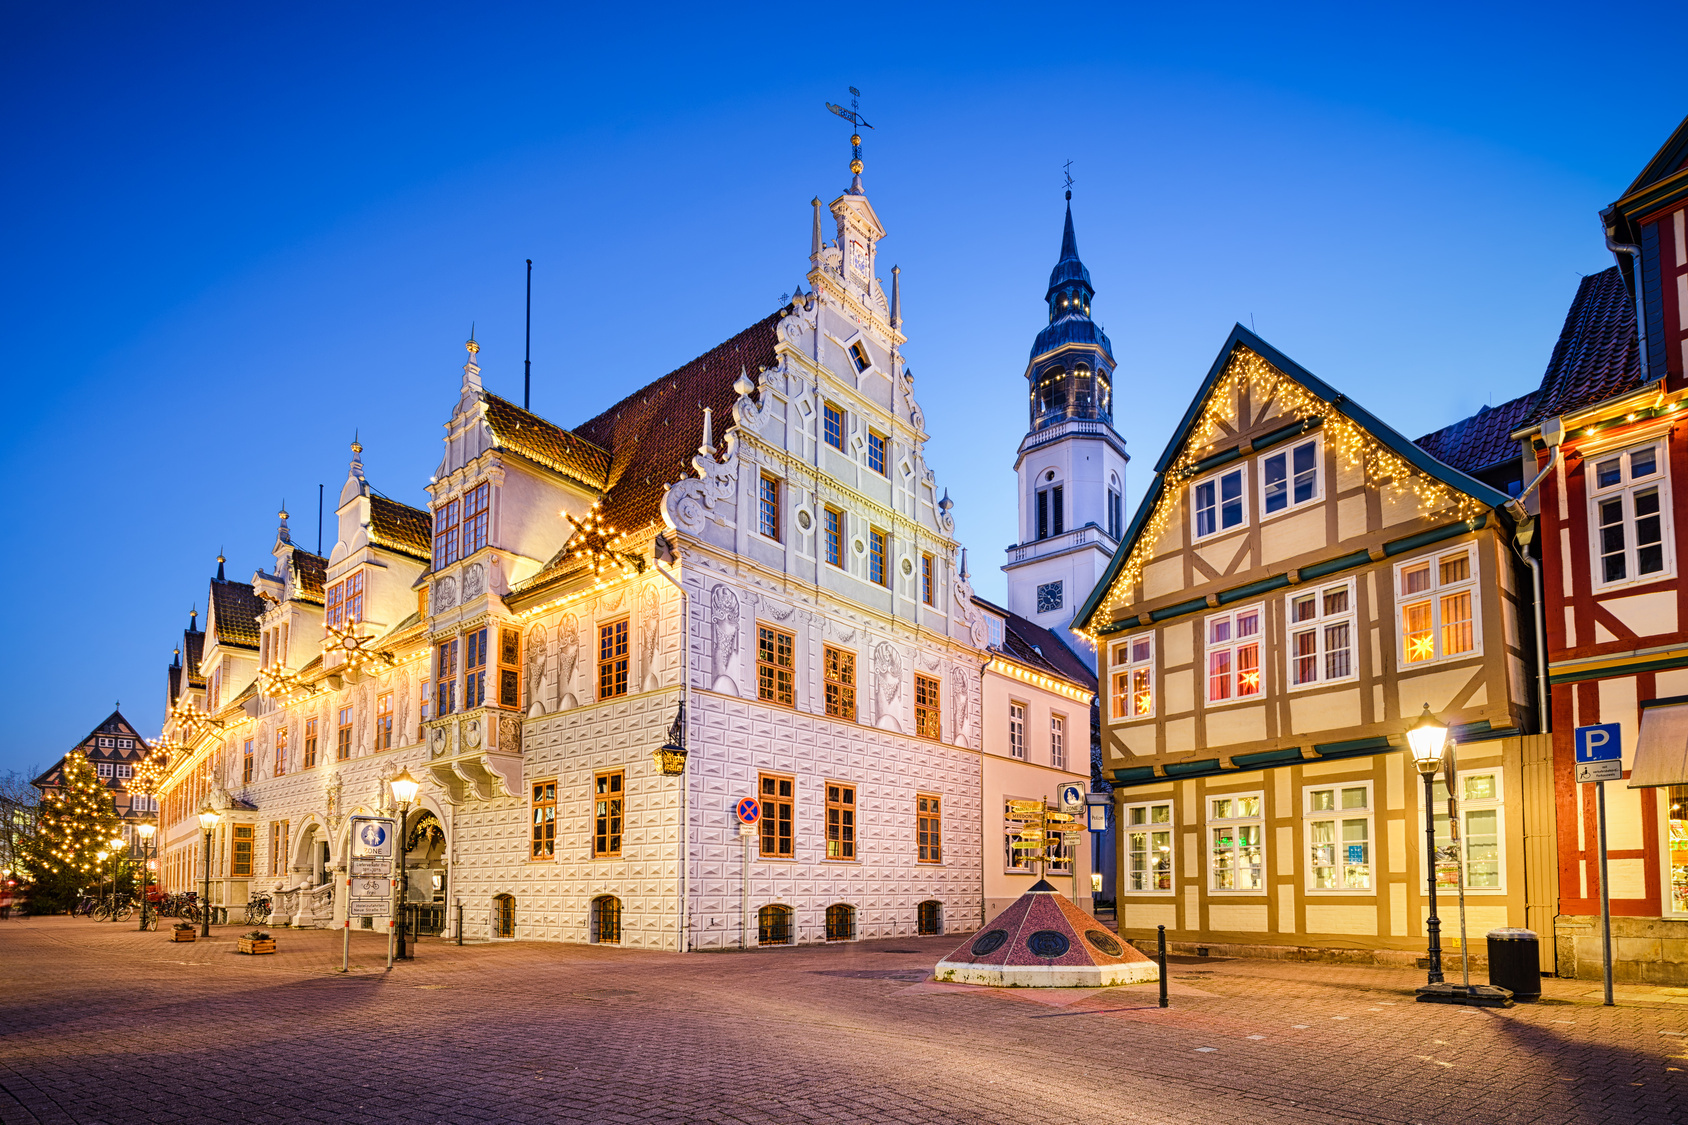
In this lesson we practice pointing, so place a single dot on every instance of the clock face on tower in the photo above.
(858, 257)
(1049, 597)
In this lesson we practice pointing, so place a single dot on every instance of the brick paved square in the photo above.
(103, 1024)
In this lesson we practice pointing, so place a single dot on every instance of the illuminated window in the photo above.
(1437, 599)
(1236, 838)
(242, 865)
(344, 601)
(1016, 853)
(280, 751)
(1339, 837)
(834, 536)
(607, 808)
(245, 764)
(477, 507)
(278, 847)
(777, 796)
(445, 676)
(1289, 477)
(343, 741)
(876, 452)
(1629, 499)
(1219, 503)
(1321, 635)
(1017, 731)
(1676, 822)
(1133, 681)
(773, 925)
(612, 659)
(384, 721)
(876, 557)
(509, 668)
(840, 821)
(926, 709)
(832, 426)
(445, 533)
(310, 743)
(928, 580)
(1148, 848)
(929, 828)
(542, 842)
(1233, 656)
(474, 669)
(838, 669)
(840, 922)
(768, 507)
(1482, 830)
(776, 664)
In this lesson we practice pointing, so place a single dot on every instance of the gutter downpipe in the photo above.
(1552, 432)
(685, 779)
(1640, 299)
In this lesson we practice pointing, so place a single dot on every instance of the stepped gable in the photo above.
(1043, 940)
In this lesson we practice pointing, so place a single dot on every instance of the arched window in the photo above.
(840, 922)
(606, 920)
(930, 919)
(1104, 395)
(773, 925)
(1052, 393)
(1084, 392)
(504, 916)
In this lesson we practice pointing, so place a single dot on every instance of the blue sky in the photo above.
(235, 234)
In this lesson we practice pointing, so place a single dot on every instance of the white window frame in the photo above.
(1626, 489)
(103, 769)
(1216, 478)
(1497, 803)
(1234, 647)
(1016, 730)
(1319, 625)
(1338, 817)
(1058, 741)
(1148, 828)
(765, 518)
(1214, 823)
(124, 771)
(1287, 452)
(1436, 593)
(1128, 666)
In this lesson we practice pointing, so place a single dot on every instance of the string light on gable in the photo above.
(356, 650)
(599, 546)
(1384, 469)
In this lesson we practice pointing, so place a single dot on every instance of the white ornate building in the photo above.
(519, 647)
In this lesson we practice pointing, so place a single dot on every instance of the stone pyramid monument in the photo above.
(1043, 940)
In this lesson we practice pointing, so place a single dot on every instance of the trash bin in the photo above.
(1515, 962)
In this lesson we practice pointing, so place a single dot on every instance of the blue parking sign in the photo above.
(1602, 742)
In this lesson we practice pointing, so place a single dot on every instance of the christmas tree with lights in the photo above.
(74, 825)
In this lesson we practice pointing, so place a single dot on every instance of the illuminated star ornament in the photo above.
(282, 685)
(186, 714)
(599, 546)
(356, 651)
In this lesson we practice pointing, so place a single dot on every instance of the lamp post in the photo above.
(99, 858)
(146, 870)
(117, 846)
(1428, 739)
(404, 789)
(208, 819)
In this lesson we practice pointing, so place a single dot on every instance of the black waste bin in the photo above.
(1515, 962)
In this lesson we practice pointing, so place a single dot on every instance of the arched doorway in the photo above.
(840, 922)
(606, 920)
(504, 916)
(773, 925)
(311, 856)
(425, 872)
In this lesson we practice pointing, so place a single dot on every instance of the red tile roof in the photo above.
(1483, 440)
(309, 573)
(235, 608)
(1596, 357)
(398, 527)
(528, 435)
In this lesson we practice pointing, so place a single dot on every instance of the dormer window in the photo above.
(859, 356)
(445, 534)
(345, 601)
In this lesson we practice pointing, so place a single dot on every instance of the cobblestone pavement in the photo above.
(100, 1023)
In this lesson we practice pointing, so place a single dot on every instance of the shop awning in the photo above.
(1661, 753)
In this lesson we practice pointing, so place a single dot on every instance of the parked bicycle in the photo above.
(258, 909)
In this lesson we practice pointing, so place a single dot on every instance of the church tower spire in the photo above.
(1071, 462)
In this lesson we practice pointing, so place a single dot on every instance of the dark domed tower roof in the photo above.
(1069, 268)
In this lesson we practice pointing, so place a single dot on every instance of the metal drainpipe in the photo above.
(1640, 298)
(1553, 432)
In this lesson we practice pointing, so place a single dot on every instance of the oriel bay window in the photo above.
(776, 793)
(1233, 655)
(1148, 848)
(474, 669)
(838, 669)
(1630, 509)
(776, 666)
(344, 601)
(612, 659)
(543, 841)
(1339, 837)
(927, 716)
(607, 797)
(477, 508)
(445, 676)
(1236, 843)
(1134, 678)
(509, 668)
(840, 821)
(1437, 599)
(446, 520)
(1321, 635)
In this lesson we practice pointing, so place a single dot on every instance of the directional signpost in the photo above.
(369, 881)
(1599, 756)
(1042, 831)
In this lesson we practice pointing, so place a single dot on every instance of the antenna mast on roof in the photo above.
(527, 360)
(319, 520)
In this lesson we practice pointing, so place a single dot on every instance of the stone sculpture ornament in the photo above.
(724, 621)
(648, 636)
(536, 664)
(445, 594)
(568, 658)
(474, 581)
(887, 686)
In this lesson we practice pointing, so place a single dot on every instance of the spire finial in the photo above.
(964, 575)
(707, 445)
(854, 116)
(220, 561)
(193, 619)
(357, 446)
(471, 370)
(816, 242)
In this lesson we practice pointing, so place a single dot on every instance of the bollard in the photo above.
(460, 923)
(1160, 958)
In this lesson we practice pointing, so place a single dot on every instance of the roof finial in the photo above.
(282, 533)
(471, 370)
(193, 619)
(816, 242)
(963, 559)
(707, 445)
(220, 561)
(1067, 170)
(854, 116)
(357, 447)
(176, 657)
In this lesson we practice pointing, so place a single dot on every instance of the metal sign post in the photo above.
(1599, 760)
(749, 813)
(371, 857)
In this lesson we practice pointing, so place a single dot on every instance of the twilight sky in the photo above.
(235, 233)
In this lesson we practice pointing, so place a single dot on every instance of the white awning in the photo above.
(1661, 752)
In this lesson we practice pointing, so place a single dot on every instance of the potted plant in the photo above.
(183, 931)
(257, 941)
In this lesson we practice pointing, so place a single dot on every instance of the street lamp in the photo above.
(208, 818)
(99, 859)
(117, 846)
(404, 789)
(1428, 739)
(146, 831)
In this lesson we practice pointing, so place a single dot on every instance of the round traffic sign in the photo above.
(749, 810)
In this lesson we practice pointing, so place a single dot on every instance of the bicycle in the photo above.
(258, 909)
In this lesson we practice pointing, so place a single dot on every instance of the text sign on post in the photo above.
(372, 845)
(369, 897)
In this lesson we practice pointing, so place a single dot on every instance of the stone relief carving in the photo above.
(509, 734)
(332, 804)
(887, 686)
(445, 594)
(474, 581)
(535, 674)
(648, 626)
(568, 658)
(689, 504)
(471, 732)
(401, 687)
(961, 695)
(439, 742)
(724, 619)
(609, 603)
(746, 413)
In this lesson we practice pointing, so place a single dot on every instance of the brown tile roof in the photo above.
(398, 527)
(236, 609)
(193, 647)
(309, 573)
(1596, 357)
(1483, 440)
(528, 435)
(652, 434)
(175, 682)
(1037, 647)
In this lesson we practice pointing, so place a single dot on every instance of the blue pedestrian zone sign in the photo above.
(1356, 853)
(1602, 742)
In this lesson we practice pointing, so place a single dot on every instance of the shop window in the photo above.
(1236, 843)
(1482, 823)
(1676, 819)
(1148, 848)
(1339, 837)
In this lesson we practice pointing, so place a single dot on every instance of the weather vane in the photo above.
(854, 116)
(1067, 170)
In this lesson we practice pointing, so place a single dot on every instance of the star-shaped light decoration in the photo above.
(598, 545)
(188, 716)
(283, 685)
(357, 651)
(148, 774)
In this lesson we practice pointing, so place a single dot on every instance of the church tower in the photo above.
(1071, 463)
